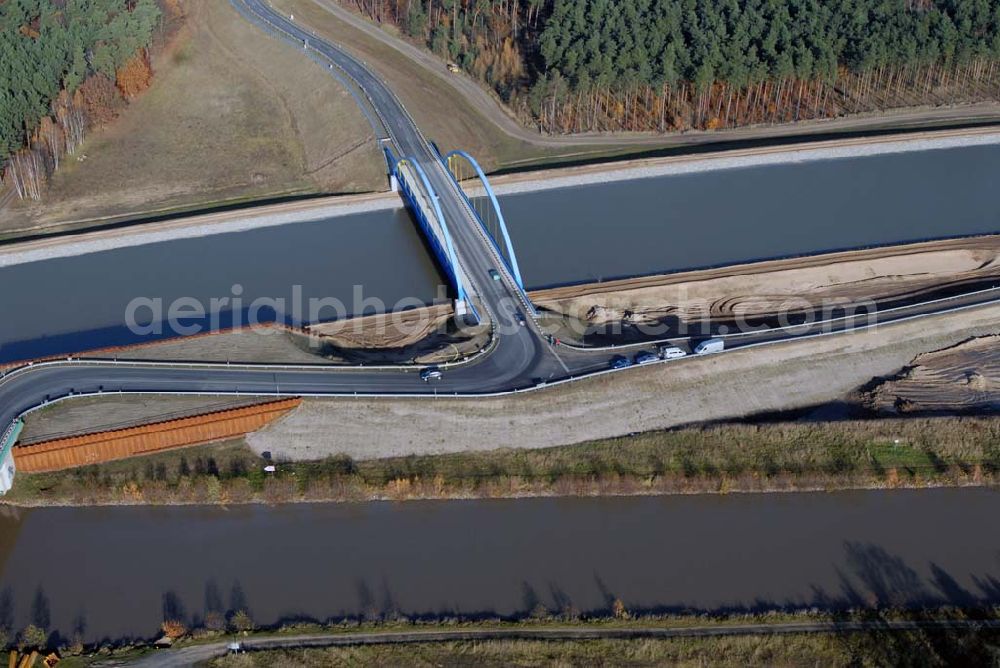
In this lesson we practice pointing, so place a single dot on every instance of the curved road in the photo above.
(521, 357)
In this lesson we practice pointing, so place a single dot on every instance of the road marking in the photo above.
(559, 359)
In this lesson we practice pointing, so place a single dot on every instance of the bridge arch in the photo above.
(447, 253)
(454, 162)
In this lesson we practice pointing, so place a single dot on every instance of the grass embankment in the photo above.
(723, 458)
(882, 645)
(872, 648)
(223, 122)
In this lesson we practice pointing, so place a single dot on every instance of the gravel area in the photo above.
(756, 157)
(86, 415)
(736, 384)
(264, 344)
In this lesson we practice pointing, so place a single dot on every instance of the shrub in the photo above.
(174, 629)
(33, 637)
(241, 622)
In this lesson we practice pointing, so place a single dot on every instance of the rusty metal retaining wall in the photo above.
(107, 446)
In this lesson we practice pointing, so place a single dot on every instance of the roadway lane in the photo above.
(521, 357)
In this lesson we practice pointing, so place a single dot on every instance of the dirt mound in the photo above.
(962, 378)
(768, 289)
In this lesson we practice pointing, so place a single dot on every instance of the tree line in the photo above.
(65, 65)
(593, 65)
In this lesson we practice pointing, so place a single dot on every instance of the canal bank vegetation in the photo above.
(778, 456)
(967, 643)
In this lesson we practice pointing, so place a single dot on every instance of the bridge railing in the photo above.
(423, 201)
(464, 169)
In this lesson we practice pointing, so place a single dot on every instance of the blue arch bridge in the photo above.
(408, 177)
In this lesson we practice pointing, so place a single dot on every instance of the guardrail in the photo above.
(731, 335)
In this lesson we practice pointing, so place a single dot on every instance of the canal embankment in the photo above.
(741, 383)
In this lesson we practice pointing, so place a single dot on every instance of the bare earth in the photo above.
(223, 121)
(965, 377)
(767, 288)
(77, 416)
(733, 385)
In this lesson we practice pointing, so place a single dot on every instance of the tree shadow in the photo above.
(173, 607)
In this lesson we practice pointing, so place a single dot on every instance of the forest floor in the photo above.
(222, 123)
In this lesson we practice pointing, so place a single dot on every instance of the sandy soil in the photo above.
(261, 344)
(421, 335)
(737, 384)
(964, 377)
(222, 121)
(768, 288)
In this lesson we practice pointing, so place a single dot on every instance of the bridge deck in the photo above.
(427, 215)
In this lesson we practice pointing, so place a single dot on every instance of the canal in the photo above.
(562, 236)
(116, 572)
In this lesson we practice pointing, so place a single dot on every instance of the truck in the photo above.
(710, 346)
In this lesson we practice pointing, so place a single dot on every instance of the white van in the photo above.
(710, 346)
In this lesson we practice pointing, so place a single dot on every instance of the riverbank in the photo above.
(791, 638)
(198, 225)
(723, 458)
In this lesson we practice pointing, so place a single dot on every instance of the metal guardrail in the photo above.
(458, 395)
(730, 335)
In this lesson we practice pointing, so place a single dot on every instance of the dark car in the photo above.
(619, 362)
(431, 373)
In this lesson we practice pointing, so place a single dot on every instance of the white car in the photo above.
(672, 352)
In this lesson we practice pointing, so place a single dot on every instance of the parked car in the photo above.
(645, 357)
(619, 362)
(431, 373)
(494, 275)
(710, 346)
(672, 352)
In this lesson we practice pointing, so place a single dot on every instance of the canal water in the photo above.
(369, 262)
(562, 236)
(708, 219)
(115, 572)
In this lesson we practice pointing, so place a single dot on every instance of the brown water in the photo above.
(116, 572)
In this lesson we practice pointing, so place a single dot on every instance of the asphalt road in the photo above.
(521, 357)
